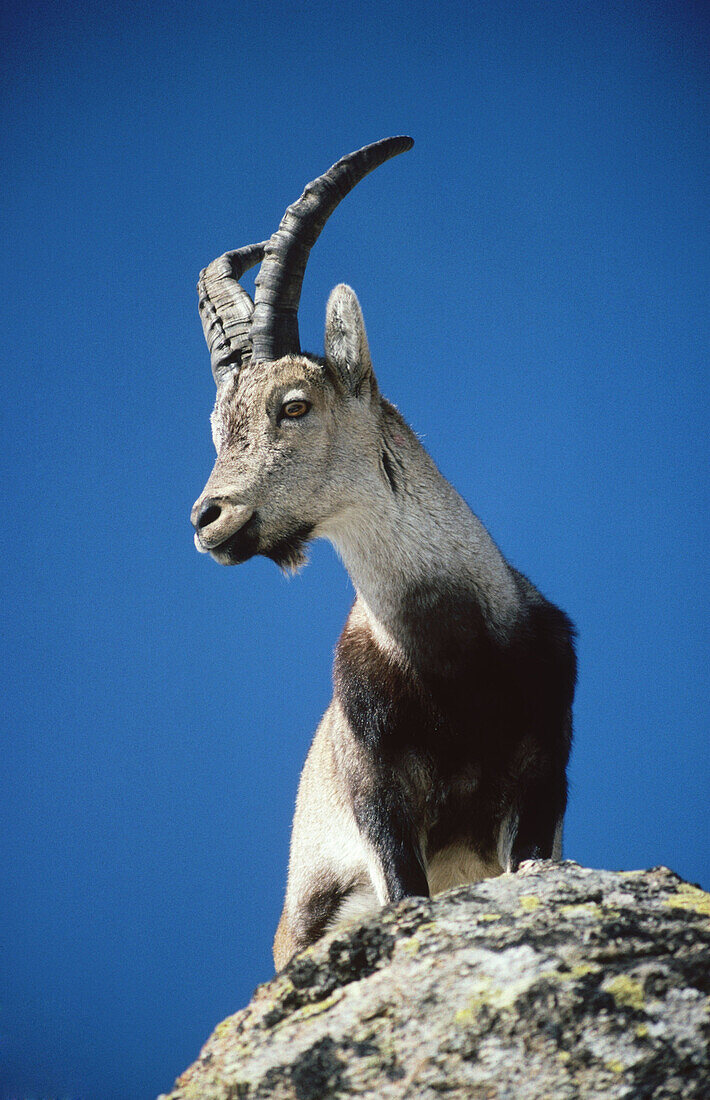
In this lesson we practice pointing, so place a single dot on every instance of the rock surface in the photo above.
(557, 982)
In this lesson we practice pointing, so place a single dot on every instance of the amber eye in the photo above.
(294, 409)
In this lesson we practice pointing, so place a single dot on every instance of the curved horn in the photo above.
(274, 328)
(226, 309)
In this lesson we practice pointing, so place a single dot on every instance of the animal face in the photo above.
(297, 444)
(296, 437)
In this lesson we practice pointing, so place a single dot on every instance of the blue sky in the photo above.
(534, 278)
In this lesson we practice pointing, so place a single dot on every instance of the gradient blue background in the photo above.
(534, 278)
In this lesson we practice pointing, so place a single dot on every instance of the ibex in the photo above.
(442, 756)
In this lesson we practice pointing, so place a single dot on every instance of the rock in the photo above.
(556, 982)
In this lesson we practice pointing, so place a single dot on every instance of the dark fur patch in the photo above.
(388, 467)
(244, 543)
(318, 910)
(481, 729)
(384, 817)
(289, 552)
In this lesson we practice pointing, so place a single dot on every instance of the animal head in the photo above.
(297, 436)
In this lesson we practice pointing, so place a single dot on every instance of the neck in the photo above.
(415, 551)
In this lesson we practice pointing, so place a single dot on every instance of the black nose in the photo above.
(208, 513)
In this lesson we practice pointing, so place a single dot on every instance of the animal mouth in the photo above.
(240, 546)
(288, 551)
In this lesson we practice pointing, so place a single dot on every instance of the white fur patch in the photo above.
(358, 905)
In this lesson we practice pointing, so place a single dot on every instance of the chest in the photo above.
(457, 725)
(454, 744)
(457, 806)
(465, 702)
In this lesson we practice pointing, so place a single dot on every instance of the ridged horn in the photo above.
(226, 309)
(274, 328)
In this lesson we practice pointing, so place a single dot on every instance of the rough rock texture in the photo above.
(556, 982)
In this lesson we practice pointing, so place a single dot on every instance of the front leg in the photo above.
(384, 819)
(538, 833)
(377, 703)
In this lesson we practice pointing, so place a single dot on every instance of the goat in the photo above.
(442, 756)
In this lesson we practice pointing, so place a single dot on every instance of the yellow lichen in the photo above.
(626, 991)
(615, 1067)
(529, 902)
(223, 1027)
(555, 975)
(690, 897)
(410, 946)
(317, 1007)
(641, 1031)
(490, 916)
(583, 909)
(468, 1014)
(580, 969)
(563, 1056)
(563, 975)
(486, 993)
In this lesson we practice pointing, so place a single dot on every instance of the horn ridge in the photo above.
(226, 309)
(274, 327)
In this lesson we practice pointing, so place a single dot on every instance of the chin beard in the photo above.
(289, 553)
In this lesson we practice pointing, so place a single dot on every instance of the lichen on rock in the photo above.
(558, 981)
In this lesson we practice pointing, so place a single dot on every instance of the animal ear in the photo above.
(346, 350)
